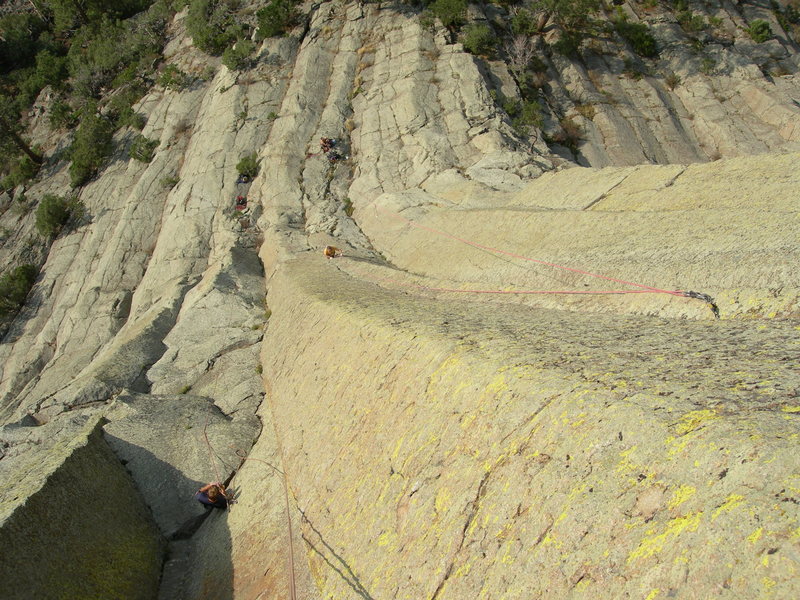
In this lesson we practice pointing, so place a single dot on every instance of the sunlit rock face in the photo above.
(502, 387)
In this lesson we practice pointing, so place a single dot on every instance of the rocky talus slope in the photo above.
(424, 440)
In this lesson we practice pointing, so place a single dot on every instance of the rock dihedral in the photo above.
(436, 446)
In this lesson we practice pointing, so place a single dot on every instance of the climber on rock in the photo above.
(327, 144)
(213, 495)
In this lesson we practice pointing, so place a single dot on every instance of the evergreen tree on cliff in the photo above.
(10, 129)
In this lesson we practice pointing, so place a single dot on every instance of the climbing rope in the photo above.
(243, 457)
(208, 444)
(644, 289)
(292, 586)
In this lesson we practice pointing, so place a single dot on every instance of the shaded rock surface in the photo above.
(74, 525)
(435, 446)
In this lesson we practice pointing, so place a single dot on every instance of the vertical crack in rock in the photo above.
(473, 512)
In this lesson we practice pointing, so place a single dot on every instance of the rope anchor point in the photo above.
(705, 298)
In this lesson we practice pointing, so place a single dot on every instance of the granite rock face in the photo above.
(75, 526)
(402, 422)
(447, 449)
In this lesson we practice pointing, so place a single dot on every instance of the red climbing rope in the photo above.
(476, 291)
(292, 585)
(210, 449)
(645, 288)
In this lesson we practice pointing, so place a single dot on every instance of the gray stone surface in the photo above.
(75, 526)
(451, 449)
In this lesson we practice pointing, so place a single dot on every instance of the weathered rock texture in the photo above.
(75, 526)
(449, 449)
(438, 444)
(668, 227)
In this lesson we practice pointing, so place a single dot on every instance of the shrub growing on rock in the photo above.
(212, 25)
(569, 44)
(691, 22)
(62, 116)
(14, 288)
(248, 165)
(173, 78)
(450, 12)
(22, 170)
(760, 31)
(477, 38)
(51, 214)
(276, 18)
(638, 36)
(143, 149)
(120, 107)
(91, 147)
(570, 134)
(237, 57)
(529, 115)
(572, 15)
(672, 80)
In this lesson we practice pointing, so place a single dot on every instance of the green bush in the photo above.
(143, 149)
(760, 31)
(708, 65)
(569, 44)
(248, 165)
(278, 17)
(173, 78)
(672, 80)
(14, 288)
(450, 12)
(572, 15)
(120, 107)
(22, 169)
(51, 214)
(109, 53)
(237, 57)
(691, 22)
(19, 43)
(638, 36)
(91, 146)
(170, 181)
(529, 115)
(523, 23)
(62, 116)
(49, 70)
(569, 135)
(212, 25)
(478, 38)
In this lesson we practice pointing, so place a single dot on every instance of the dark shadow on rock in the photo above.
(198, 562)
(335, 561)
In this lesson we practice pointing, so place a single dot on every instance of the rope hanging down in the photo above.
(292, 583)
(644, 289)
